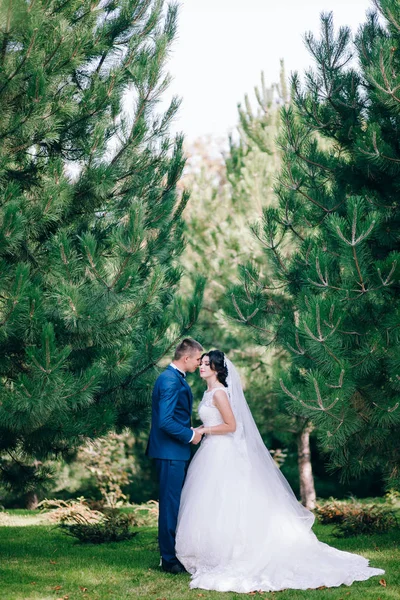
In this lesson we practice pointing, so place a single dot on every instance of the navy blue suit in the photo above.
(169, 444)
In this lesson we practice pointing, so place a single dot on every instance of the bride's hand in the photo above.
(201, 429)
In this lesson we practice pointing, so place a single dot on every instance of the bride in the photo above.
(240, 526)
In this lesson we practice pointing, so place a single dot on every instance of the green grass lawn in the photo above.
(38, 562)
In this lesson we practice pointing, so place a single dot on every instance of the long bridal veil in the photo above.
(252, 447)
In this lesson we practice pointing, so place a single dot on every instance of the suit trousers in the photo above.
(171, 474)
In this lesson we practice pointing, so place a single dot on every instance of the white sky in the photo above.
(223, 45)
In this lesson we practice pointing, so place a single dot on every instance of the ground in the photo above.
(39, 562)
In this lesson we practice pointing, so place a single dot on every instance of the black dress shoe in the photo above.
(175, 569)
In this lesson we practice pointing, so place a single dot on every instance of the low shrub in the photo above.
(144, 515)
(114, 527)
(393, 497)
(77, 519)
(331, 511)
(70, 511)
(367, 522)
(355, 518)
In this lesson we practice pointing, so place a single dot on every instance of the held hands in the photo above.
(198, 434)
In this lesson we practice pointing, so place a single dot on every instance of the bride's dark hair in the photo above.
(218, 364)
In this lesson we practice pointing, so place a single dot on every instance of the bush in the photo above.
(355, 518)
(332, 511)
(93, 522)
(376, 520)
(144, 515)
(109, 460)
(393, 497)
(70, 511)
(114, 527)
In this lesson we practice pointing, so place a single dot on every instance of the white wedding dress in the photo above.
(240, 527)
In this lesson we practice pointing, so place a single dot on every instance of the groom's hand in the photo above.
(197, 437)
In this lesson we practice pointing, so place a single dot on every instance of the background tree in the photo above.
(90, 222)
(110, 462)
(331, 292)
(227, 193)
(252, 164)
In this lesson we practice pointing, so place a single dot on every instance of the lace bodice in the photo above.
(208, 412)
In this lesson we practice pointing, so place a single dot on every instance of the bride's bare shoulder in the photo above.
(220, 395)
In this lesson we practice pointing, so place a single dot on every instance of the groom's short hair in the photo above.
(187, 346)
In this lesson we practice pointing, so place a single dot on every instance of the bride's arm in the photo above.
(229, 425)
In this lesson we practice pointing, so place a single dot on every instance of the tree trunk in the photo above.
(32, 500)
(307, 489)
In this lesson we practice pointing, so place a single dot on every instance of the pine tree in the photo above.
(90, 221)
(252, 164)
(332, 247)
(217, 219)
(226, 196)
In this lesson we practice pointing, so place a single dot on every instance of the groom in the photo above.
(169, 443)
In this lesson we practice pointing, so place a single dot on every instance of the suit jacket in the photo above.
(170, 432)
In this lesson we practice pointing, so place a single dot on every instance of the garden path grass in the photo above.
(39, 562)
